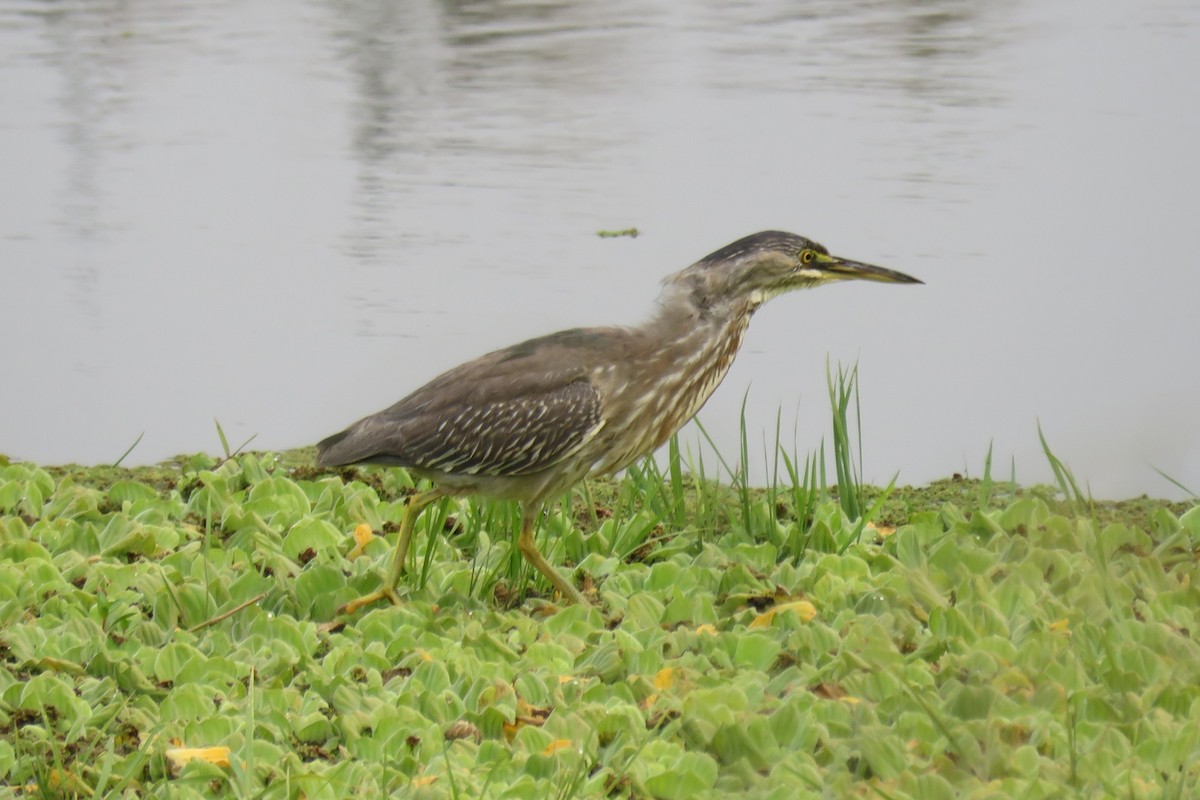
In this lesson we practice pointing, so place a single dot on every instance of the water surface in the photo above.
(288, 215)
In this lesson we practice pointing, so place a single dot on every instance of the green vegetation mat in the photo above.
(978, 642)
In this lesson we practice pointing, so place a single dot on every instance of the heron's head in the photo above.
(758, 267)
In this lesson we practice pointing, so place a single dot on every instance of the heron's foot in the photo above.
(354, 605)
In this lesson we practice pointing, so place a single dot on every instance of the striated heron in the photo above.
(529, 421)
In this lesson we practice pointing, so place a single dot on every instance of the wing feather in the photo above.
(512, 412)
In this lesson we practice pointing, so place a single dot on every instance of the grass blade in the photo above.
(129, 449)
(1064, 478)
(1188, 491)
(841, 390)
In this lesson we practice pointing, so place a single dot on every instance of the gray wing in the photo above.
(512, 412)
(516, 436)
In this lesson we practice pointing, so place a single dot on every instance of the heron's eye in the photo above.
(806, 256)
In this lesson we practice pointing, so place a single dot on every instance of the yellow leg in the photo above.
(529, 549)
(412, 509)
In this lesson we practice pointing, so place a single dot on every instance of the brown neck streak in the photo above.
(688, 349)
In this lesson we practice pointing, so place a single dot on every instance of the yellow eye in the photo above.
(806, 256)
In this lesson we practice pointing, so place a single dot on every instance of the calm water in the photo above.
(287, 215)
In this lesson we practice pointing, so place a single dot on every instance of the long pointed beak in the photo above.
(846, 269)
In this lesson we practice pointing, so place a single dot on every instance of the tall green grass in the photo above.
(1065, 479)
(843, 388)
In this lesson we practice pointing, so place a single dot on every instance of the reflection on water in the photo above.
(286, 215)
(536, 88)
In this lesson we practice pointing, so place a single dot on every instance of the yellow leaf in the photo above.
(664, 678)
(850, 699)
(555, 746)
(1063, 625)
(178, 756)
(424, 780)
(363, 536)
(706, 628)
(802, 608)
